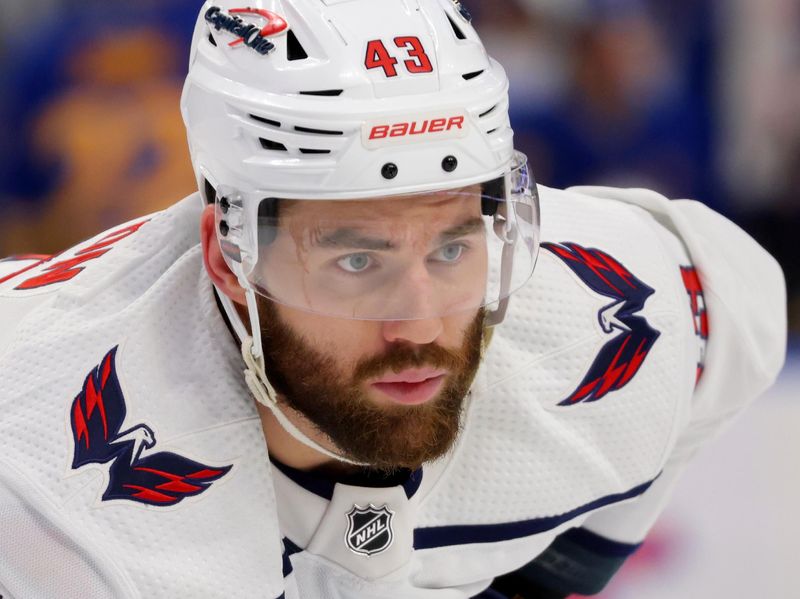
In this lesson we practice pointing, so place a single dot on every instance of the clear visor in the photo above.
(412, 256)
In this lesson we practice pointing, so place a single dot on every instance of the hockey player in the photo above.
(417, 419)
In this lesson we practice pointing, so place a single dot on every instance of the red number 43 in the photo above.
(378, 56)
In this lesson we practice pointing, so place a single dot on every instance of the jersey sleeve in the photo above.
(745, 301)
(42, 557)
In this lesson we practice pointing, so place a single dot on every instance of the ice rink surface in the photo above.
(732, 529)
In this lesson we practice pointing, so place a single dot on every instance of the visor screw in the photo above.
(224, 228)
(450, 163)
(224, 205)
(389, 170)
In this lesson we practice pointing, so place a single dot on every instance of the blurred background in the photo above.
(694, 98)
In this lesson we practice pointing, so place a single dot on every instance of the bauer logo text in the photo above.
(380, 133)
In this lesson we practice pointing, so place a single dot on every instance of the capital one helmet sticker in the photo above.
(248, 34)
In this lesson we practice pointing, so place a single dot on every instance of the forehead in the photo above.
(439, 206)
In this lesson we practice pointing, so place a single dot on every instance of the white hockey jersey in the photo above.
(133, 463)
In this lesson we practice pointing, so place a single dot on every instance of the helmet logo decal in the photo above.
(369, 530)
(401, 131)
(378, 56)
(249, 35)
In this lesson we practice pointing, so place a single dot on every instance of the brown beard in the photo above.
(386, 437)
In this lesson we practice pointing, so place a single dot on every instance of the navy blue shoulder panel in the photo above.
(443, 536)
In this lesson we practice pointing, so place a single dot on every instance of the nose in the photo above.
(418, 332)
(414, 303)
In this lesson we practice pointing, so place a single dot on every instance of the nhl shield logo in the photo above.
(369, 530)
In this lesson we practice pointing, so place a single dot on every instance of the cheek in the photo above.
(347, 341)
(456, 329)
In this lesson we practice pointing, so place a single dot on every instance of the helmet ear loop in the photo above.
(255, 322)
(506, 229)
(229, 220)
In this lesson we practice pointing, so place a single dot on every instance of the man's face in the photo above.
(387, 392)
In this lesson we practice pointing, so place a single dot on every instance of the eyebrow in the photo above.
(350, 238)
(464, 229)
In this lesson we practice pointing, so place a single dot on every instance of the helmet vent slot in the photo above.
(272, 145)
(313, 151)
(468, 76)
(261, 119)
(211, 39)
(323, 92)
(488, 112)
(209, 191)
(456, 29)
(318, 131)
(492, 131)
(294, 49)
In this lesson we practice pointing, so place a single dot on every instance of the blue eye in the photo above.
(355, 263)
(449, 253)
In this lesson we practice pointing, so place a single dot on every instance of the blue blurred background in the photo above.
(694, 98)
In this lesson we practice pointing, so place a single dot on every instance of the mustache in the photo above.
(403, 357)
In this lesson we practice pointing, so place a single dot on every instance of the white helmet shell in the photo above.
(347, 99)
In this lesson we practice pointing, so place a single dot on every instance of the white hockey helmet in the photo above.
(345, 101)
(300, 119)
(349, 99)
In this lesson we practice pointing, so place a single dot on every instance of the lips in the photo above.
(411, 387)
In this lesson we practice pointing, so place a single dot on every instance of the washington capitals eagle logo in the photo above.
(621, 357)
(161, 478)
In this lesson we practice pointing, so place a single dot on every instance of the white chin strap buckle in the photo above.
(256, 378)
